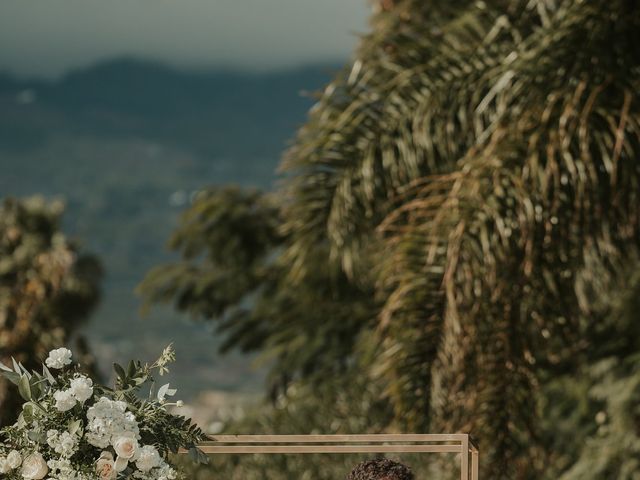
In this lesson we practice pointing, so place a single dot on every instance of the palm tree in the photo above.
(492, 145)
(472, 181)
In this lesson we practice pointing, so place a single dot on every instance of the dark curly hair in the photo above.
(380, 469)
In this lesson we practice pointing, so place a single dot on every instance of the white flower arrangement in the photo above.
(71, 429)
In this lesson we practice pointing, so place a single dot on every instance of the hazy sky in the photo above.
(47, 37)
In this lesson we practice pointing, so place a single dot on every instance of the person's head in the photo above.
(381, 469)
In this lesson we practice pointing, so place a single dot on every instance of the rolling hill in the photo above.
(126, 143)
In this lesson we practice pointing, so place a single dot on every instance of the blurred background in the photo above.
(348, 217)
(126, 110)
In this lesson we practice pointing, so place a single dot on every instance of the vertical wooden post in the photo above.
(464, 459)
(474, 464)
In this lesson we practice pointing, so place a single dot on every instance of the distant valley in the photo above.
(127, 143)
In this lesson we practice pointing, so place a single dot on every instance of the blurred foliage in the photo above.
(350, 404)
(233, 271)
(47, 289)
(458, 228)
(612, 447)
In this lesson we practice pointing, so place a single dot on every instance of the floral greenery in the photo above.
(71, 429)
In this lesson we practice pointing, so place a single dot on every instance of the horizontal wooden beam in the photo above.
(371, 438)
(256, 449)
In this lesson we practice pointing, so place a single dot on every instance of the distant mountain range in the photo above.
(126, 143)
(193, 110)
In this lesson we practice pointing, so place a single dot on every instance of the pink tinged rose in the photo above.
(126, 447)
(105, 467)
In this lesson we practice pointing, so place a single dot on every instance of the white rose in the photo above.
(34, 467)
(64, 400)
(82, 388)
(105, 467)
(4, 465)
(125, 447)
(148, 458)
(58, 358)
(14, 460)
(65, 444)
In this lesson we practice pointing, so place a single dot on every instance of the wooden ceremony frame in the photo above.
(378, 443)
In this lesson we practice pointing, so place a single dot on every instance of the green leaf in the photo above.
(27, 412)
(36, 387)
(35, 436)
(24, 370)
(16, 366)
(140, 380)
(47, 374)
(74, 426)
(11, 376)
(120, 372)
(24, 388)
(198, 455)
